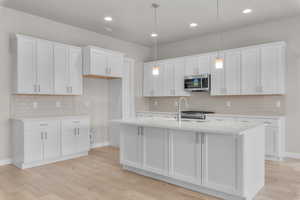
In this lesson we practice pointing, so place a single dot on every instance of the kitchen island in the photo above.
(221, 158)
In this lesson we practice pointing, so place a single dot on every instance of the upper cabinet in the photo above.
(164, 78)
(100, 62)
(256, 70)
(45, 67)
(199, 64)
(67, 69)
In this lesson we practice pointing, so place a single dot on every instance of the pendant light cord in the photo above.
(155, 6)
(219, 21)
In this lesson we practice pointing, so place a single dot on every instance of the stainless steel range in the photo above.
(197, 115)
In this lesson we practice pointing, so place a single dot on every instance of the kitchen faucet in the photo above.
(178, 104)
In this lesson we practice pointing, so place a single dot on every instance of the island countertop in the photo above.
(227, 127)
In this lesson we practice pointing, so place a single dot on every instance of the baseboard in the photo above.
(5, 162)
(98, 145)
(292, 155)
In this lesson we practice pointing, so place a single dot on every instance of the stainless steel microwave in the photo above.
(197, 83)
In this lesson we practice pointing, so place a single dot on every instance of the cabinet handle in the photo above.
(39, 88)
(46, 135)
(78, 131)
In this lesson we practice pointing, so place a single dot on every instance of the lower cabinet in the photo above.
(185, 156)
(75, 136)
(41, 141)
(196, 158)
(227, 166)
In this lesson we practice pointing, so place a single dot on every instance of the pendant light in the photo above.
(155, 69)
(219, 62)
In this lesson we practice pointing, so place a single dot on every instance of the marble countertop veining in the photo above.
(226, 127)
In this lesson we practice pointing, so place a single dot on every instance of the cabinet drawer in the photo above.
(30, 126)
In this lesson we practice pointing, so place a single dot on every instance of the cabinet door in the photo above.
(115, 65)
(45, 69)
(185, 156)
(204, 64)
(130, 146)
(271, 141)
(218, 86)
(98, 62)
(83, 137)
(155, 150)
(33, 145)
(179, 69)
(75, 66)
(232, 72)
(270, 63)
(26, 65)
(192, 65)
(51, 140)
(158, 80)
(250, 71)
(69, 137)
(61, 69)
(220, 162)
(168, 79)
(148, 80)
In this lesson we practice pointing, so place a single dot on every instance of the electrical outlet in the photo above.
(228, 104)
(278, 104)
(58, 104)
(35, 105)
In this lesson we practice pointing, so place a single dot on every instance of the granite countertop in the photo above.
(225, 127)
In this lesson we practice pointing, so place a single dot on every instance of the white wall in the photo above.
(287, 30)
(95, 99)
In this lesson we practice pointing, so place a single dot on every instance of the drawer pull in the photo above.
(43, 124)
(76, 122)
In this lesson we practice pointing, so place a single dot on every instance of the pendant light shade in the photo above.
(219, 62)
(154, 35)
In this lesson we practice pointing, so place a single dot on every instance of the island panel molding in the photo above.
(229, 166)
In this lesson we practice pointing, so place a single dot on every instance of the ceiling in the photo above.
(133, 19)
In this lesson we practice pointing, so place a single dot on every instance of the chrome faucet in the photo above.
(178, 105)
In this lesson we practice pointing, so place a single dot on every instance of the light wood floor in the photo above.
(100, 177)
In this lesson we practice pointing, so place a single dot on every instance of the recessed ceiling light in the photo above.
(154, 35)
(108, 18)
(193, 25)
(247, 11)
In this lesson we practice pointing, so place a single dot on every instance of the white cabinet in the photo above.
(45, 67)
(100, 62)
(220, 162)
(256, 70)
(250, 72)
(75, 136)
(198, 64)
(185, 156)
(169, 81)
(155, 150)
(41, 141)
(273, 68)
(218, 86)
(68, 69)
(153, 83)
(36, 141)
(131, 146)
(33, 66)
